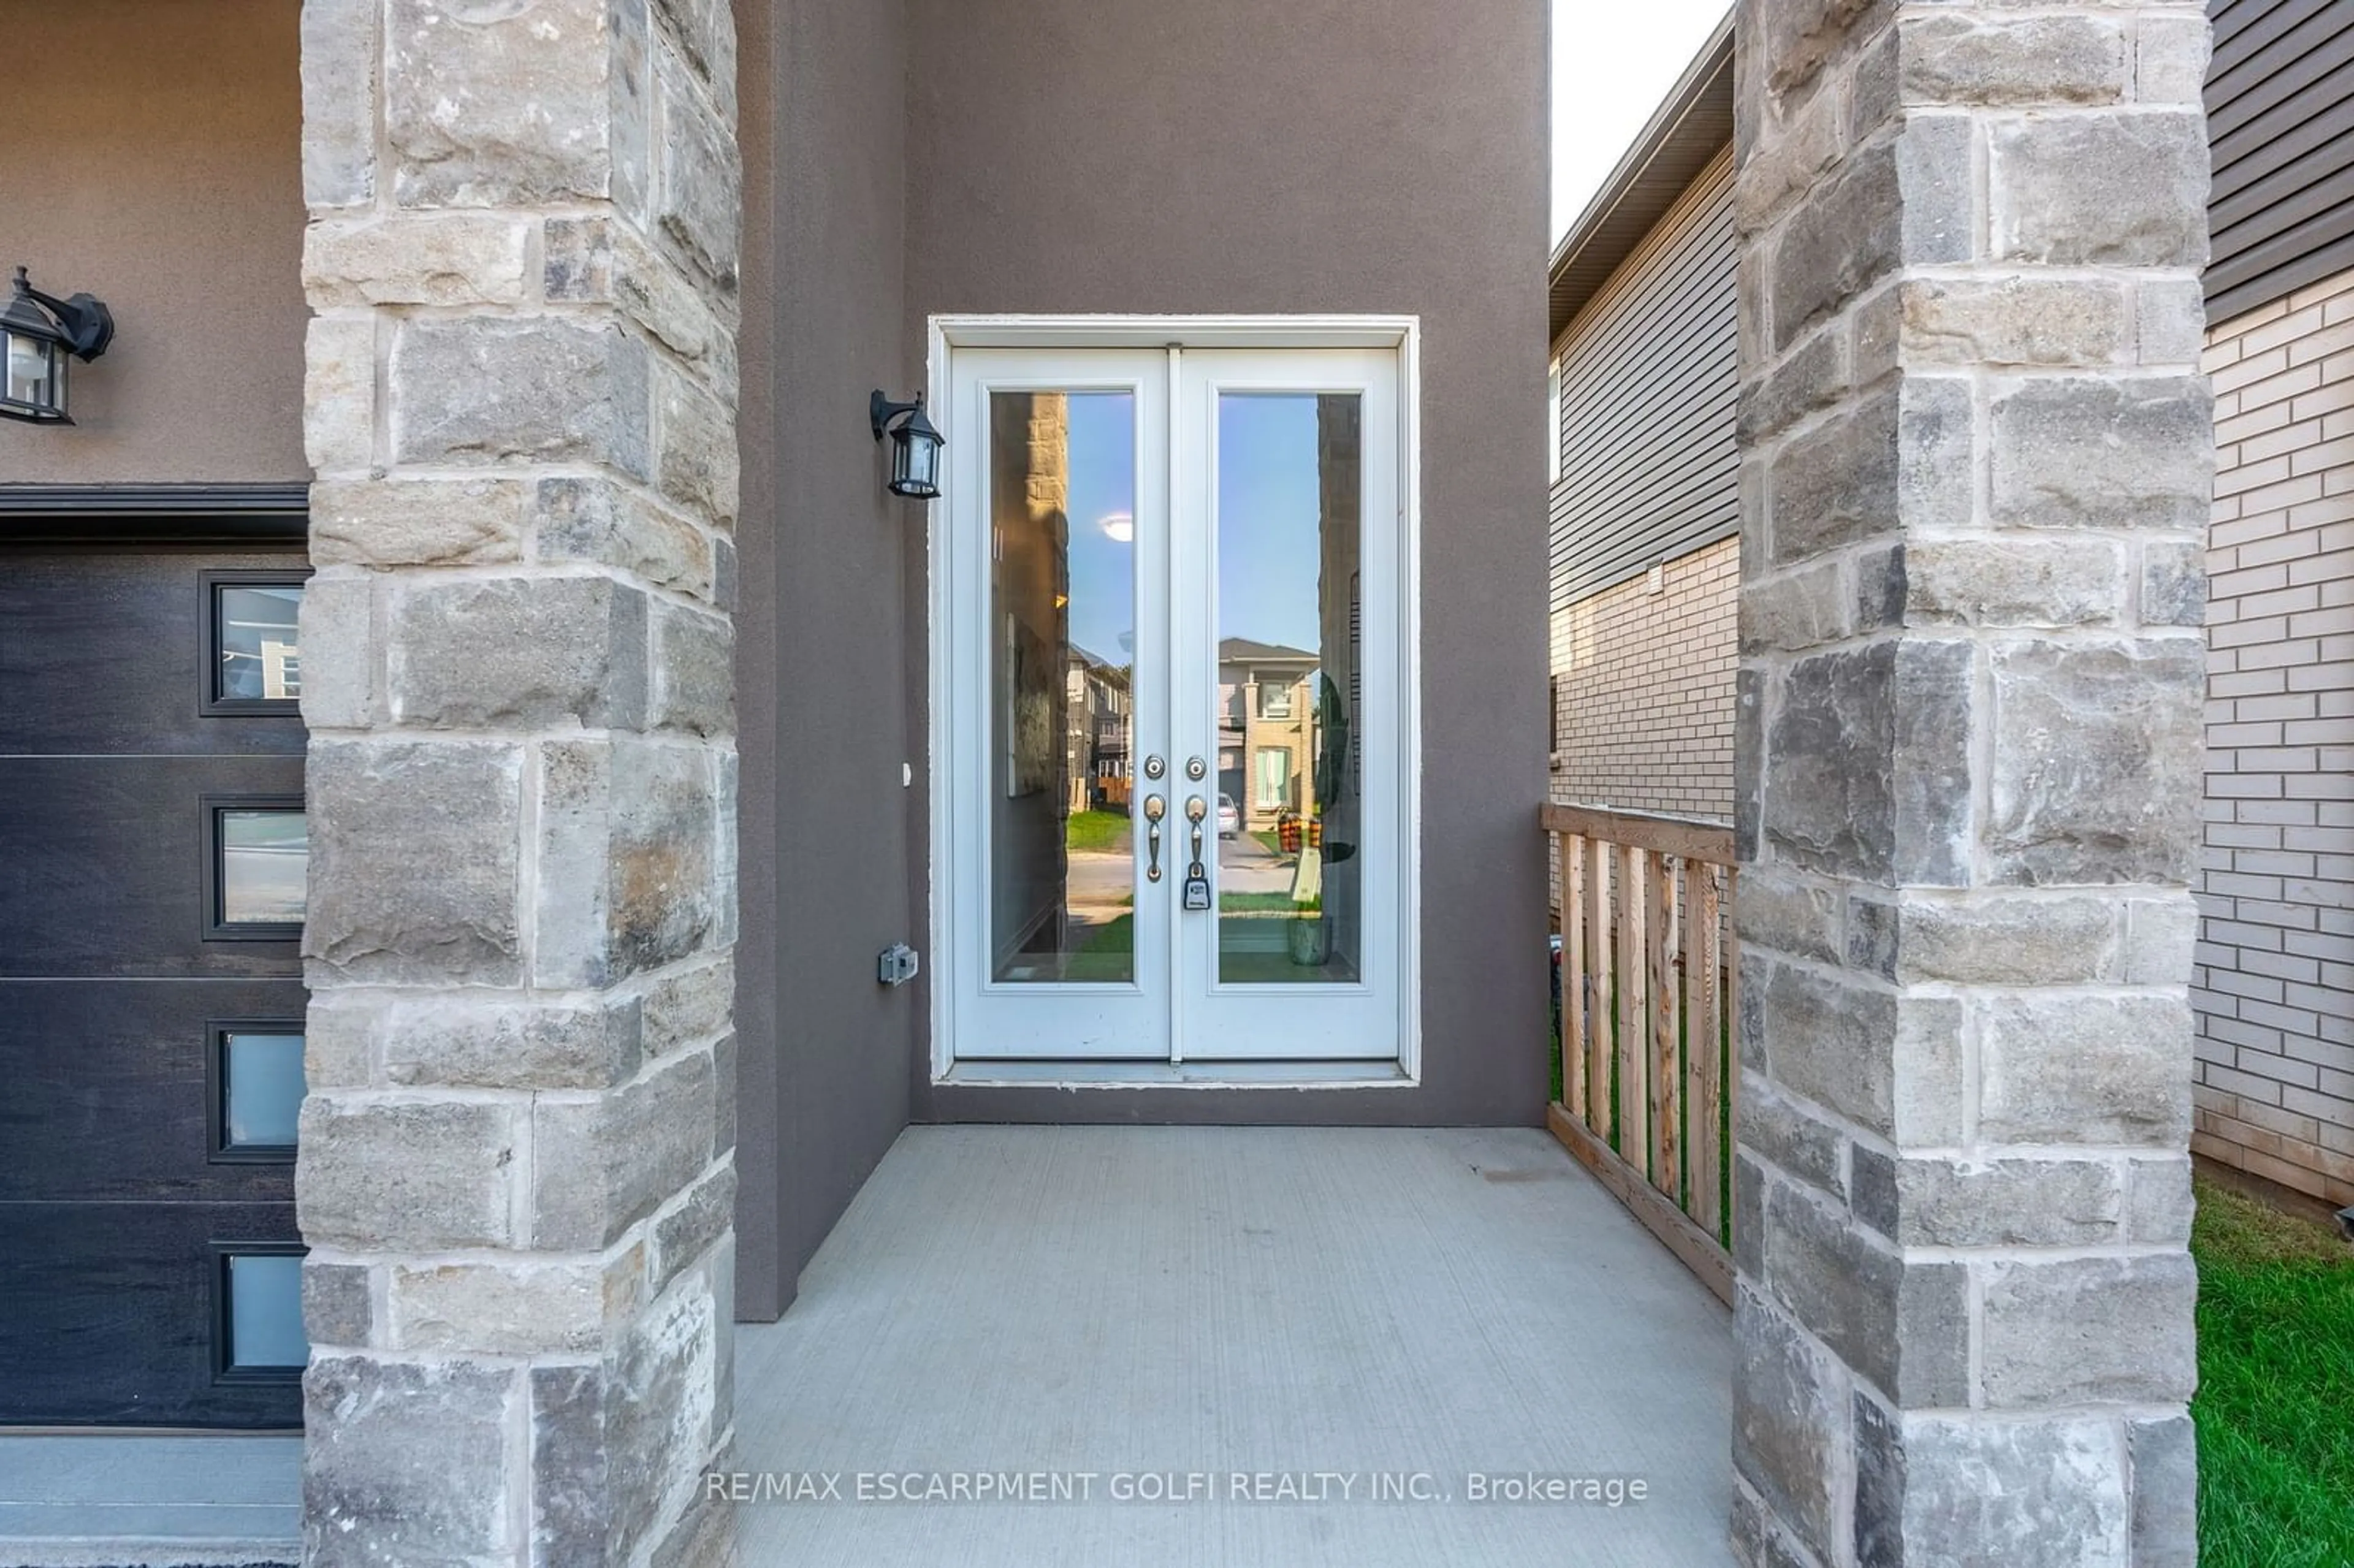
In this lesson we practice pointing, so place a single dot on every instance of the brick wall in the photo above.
(1643, 690)
(2275, 986)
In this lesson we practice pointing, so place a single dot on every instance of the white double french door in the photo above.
(1170, 673)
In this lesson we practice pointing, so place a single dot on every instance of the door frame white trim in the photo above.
(1401, 335)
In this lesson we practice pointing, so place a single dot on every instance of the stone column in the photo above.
(1975, 475)
(516, 1175)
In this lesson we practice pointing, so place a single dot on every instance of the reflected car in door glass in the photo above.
(1230, 817)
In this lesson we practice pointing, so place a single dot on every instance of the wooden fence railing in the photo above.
(1645, 1030)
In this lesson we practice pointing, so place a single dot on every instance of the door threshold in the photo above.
(1320, 1074)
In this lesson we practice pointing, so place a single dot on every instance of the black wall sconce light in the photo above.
(915, 445)
(37, 333)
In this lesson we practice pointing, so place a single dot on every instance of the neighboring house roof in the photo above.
(1683, 134)
(1243, 651)
(1650, 380)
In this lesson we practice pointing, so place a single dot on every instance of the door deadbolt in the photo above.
(1154, 767)
(1196, 768)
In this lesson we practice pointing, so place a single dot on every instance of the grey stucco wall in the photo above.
(1231, 155)
(135, 172)
(825, 649)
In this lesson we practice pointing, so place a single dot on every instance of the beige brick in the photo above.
(2279, 580)
(1645, 676)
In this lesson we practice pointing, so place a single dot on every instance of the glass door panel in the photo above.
(1063, 602)
(1288, 550)
(1052, 626)
(1290, 667)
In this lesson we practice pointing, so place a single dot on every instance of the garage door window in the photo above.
(256, 658)
(257, 1074)
(258, 1328)
(260, 869)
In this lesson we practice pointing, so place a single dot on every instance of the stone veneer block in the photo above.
(522, 390)
(340, 49)
(628, 858)
(594, 522)
(2041, 1494)
(389, 1175)
(464, 260)
(577, 655)
(491, 1044)
(418, 522)
(512, 106)
(2097, 750)
(600, 1165)
(2083, 451)
(415, 859)
(417, 1470)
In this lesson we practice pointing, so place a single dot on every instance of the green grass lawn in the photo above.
(1267, 837)
(1105, 955)
(1261, 903)
(1095, 832)
(2275, 1405)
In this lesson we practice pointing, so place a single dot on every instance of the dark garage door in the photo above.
(152, 862)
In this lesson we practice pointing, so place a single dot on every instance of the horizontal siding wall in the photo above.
(2274, 989)
(2280, 115)
(1650, 374)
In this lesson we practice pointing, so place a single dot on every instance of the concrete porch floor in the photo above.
(1129, 1302)
(1134, 1301)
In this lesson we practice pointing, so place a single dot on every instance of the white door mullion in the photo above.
(1175, 591)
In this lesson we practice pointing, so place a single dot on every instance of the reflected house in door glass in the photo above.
(1267, 727)
(257, 657)
(1097, 693)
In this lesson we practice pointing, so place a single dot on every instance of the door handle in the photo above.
(1197, 875)
(1153, 808)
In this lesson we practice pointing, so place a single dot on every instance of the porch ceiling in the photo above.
(1214, 1300)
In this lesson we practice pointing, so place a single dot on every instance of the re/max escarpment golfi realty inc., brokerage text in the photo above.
(1317, 1487)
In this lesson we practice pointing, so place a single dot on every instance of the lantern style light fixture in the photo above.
(915, 446)
(37, 333)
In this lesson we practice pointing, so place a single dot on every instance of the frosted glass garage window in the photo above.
(260, 1089)
(264, 1313)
